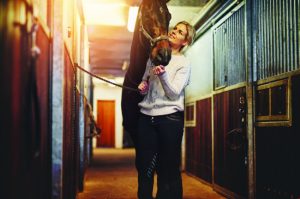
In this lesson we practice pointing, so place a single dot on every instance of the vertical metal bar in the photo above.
(280, 37)
(215, 56)
(260, 42)
(270, 17)
(271, 33)
(214, 59)
(219, 58)
(298, 32)
(283, 29)
(264, 19)
(251, 64)
(234, 44)
(238, 46)
(225, 67)
(237, 49)
(267, 40)
(291, 32)
(223, 61)
(244, 44)
(230, 48)
(267, 17)
(241, 62)
(287, 29)
(295, 41)
(275, 28)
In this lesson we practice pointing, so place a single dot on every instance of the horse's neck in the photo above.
(139, 55)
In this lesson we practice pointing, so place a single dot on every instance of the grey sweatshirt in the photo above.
(166, 92)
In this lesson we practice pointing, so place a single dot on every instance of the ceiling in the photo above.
(109, 39)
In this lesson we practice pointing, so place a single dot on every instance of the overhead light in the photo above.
(132, 15)
(112, 14)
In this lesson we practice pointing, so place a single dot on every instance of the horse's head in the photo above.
(154, 25)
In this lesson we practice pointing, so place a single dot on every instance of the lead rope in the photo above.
(105, 80)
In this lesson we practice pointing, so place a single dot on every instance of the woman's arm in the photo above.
(143, 87)
(174, 87)
(147, 71)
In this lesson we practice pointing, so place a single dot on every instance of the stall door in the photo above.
(230, 106)
(106, 121)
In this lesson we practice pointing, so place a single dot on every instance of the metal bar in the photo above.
(279, 29)
(242, 46)
(287, 29)
(239, 46)
(275, 38)
(261, 40)
(251, 68)
(272, 34)
(230, 47)
(264, 69)
(268, 39)
(291, 32)
(283, 29)
(298, 29)
(295, 41)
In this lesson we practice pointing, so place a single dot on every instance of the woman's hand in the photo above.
(158, 70)
(143, 87)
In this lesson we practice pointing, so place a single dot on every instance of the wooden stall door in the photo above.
(106, 121)
(230, 143)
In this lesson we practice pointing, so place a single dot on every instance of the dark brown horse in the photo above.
(149, 41)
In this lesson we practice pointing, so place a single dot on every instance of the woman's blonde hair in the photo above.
(190, 32)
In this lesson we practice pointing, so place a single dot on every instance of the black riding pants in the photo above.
(158, 150)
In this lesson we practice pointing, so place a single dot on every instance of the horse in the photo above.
(150, 40)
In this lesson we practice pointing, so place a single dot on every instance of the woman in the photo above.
(160, 127)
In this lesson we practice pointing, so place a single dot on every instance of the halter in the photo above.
(152, 40)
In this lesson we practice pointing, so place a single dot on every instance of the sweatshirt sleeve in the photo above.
(147, 73)
(174, 87)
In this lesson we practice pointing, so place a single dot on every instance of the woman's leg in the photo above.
(170, 131)
(146, 156)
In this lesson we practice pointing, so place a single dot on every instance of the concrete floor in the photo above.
(112, 175)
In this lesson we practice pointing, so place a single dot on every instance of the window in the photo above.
(273, 103)
(190, 114)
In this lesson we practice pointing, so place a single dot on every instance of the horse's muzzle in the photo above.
(163, 57)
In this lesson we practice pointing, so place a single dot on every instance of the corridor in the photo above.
(112, 176)
(69, 77)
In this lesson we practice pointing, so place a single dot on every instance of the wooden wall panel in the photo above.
(277, 155)
(24, 108)
(69, 143)
(230, 145)
(43, 93)
(199, 143)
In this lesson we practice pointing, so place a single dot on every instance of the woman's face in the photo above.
(177, 36)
